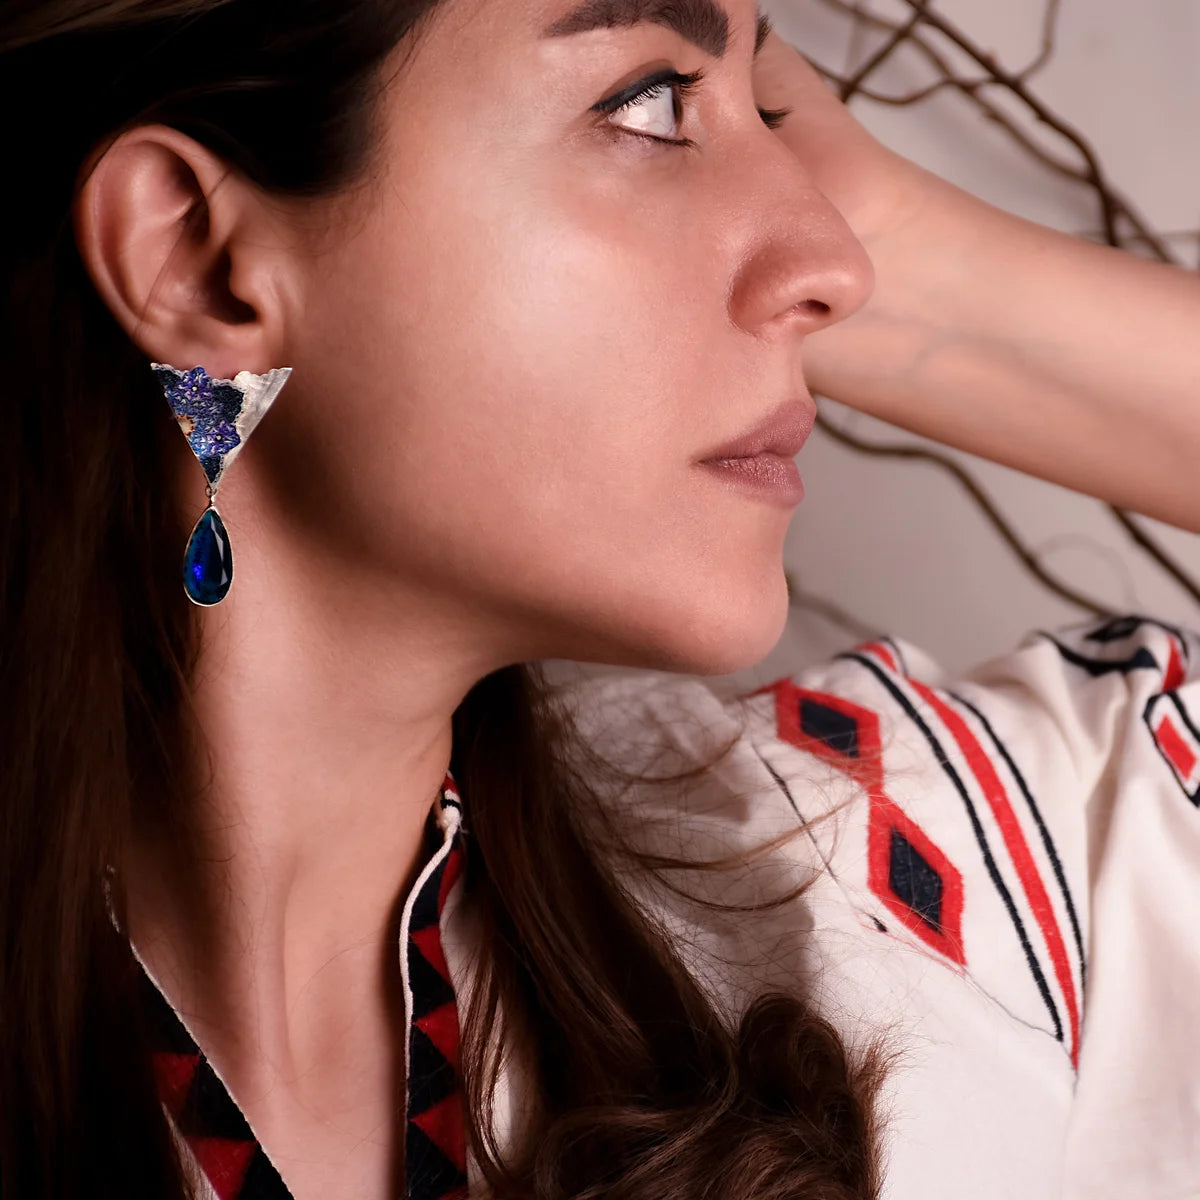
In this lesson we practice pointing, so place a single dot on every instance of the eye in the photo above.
(650, 115)
(652, 108)
(772, 118)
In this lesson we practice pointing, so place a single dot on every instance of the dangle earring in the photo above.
(216, 416)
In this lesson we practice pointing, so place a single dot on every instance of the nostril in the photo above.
(813, 308)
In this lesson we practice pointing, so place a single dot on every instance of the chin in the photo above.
(716, 635)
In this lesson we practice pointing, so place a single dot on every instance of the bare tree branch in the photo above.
(1121, 224)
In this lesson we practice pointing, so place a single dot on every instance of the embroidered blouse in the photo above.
(1007, 888)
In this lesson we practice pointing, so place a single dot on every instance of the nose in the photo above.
(803, 269)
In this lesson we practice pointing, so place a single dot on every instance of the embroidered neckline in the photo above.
(435, 1156)
(217, 1134)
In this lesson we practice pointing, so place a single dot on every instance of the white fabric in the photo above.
(1073, 792)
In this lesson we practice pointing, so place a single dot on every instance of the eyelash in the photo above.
(684, 85)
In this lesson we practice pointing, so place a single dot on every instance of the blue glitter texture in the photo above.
(210, 408)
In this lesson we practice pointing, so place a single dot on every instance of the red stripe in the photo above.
(881, 652)
(1018, 849)
(1174, 673)
(1175, 748)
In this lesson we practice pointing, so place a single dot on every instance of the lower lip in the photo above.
(765, 475)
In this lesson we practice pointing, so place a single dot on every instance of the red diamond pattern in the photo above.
(848, 736)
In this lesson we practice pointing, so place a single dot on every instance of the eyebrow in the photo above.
(700, 22)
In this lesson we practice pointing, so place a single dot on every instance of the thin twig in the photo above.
(1049, 31)
(899, 37)
(1145, 542)
(1016, 85)
(1112, 204)
(1115, 209)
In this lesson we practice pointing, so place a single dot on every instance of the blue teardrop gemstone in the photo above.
(208, 562)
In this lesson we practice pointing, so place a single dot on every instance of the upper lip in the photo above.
(783, 433)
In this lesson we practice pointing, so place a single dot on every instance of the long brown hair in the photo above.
(641, 1088)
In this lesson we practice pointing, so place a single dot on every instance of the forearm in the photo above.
(1072, 362)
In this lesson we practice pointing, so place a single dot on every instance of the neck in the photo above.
(323, 745)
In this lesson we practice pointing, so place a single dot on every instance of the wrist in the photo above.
(932, 246)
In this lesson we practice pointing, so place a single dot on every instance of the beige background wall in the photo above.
(899, 545)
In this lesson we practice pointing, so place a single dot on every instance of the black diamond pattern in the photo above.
(838, 731)
(914, 881)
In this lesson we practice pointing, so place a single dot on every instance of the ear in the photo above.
(186, 254)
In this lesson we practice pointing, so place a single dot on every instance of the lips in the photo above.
(782, 434)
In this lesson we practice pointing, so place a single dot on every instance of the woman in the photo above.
(543, 275)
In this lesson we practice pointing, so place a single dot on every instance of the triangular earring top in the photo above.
(218, 415)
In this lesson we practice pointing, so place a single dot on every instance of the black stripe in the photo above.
(1122, 627)
(783, 787)
(1047, 839)
(997, 880)
(895, 649)
(1140, 660)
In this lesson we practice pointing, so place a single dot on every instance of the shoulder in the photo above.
(1065, 700)
(1009, 871)
(969, 818)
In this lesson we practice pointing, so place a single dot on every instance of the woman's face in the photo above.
(541, 320)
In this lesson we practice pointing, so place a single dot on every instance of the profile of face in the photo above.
(515, 344)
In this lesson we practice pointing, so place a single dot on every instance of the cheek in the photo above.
(508, 399)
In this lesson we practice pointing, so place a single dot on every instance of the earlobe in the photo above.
(165, 230)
